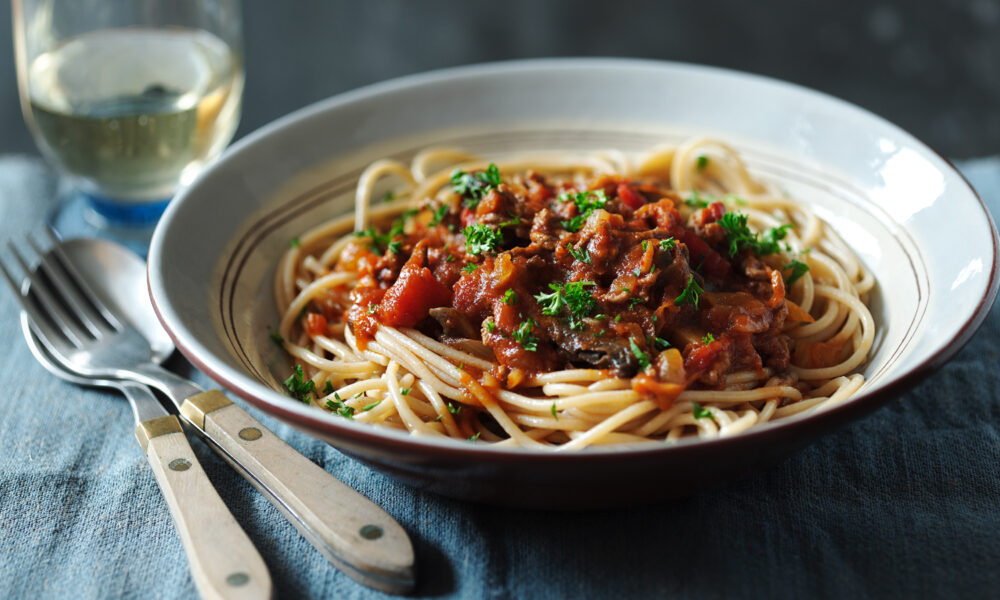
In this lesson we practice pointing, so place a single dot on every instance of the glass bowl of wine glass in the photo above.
(129, 99)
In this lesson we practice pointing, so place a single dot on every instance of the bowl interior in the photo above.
(888, 196)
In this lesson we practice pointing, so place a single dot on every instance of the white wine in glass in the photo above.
(131, 106)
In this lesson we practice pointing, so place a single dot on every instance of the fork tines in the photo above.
(60, 304)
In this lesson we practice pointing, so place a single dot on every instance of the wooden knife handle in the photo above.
(224, 562)
(354, 533)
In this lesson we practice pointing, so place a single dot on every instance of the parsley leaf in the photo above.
(695, 201)
(581, 255)
(481, 238)
(295, 242)
(639, 355)
(690, 294)
(439, 214)
(586, 203)
(524, 336)
(798, 269)
(741, 237)
(276, 338)
(473, 187)
(667, 244)
(298, 386)
(491, 325)
(395, 247)
(661, 343)
(571, 297)
(700, 412)
(702, 162)
(555, 414)
(455, 409)
(470, 267)
(708, 339)
(510, 297)
(368, 407)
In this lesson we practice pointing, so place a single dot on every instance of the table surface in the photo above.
(904, 503)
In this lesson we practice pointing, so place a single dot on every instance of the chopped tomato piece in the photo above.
(315, 324)
(629, 197)
(414, 293)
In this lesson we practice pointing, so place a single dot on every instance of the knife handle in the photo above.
(354, 533)
(224, 562)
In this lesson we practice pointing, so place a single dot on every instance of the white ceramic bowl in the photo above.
(913, 220)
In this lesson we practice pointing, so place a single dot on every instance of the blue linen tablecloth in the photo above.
(904, 503)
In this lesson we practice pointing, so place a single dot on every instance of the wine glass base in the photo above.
(82, 215)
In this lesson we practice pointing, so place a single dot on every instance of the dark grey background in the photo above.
(930, 66)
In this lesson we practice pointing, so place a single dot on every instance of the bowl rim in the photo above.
(349, 433)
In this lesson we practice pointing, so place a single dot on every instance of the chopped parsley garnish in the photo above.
(470, 267)
(449, 258)
(405, 391)
(473, 187)
(455, 409)
(690, 294)
(276, 338)
(372, 308)
(474, 438)
(661, 343)
(695, 201)
(798, 269)
(581, 255)
(586, 203)
(389, 196)
(636, 272)
(571, 297)
(396, 247)
(298, 386)
(524, 336)
(708, 339)
(639, 355)
(328, 388)
(667, 244)
(295, 242)
(481, 238)
(741, 237)
(633, 301)
(645, 245)
(368, 407)
(439, 214)
(555, 414)
(491, 325)
(510, 297)
(702, 162)
(701, 412)
(340, 408)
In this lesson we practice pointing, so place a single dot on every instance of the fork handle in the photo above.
(354, 533)
(224, 562)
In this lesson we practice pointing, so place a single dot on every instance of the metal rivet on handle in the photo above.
(371, 532)
(237, 579)
(250, 433)
(179, 464)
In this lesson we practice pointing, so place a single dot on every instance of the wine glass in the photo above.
(129, 99)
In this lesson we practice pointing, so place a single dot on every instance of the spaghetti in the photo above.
(559, 303)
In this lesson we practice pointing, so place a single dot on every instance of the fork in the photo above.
(354, 533)
(224, 562)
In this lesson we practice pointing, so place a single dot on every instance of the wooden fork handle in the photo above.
(224, 562)
(353, 532)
